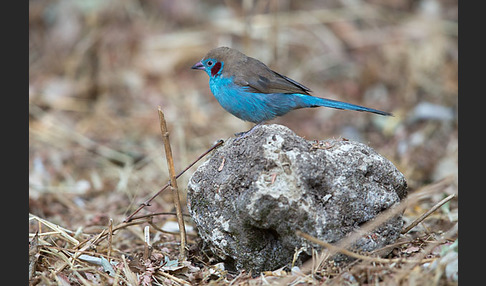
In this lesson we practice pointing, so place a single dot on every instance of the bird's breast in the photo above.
(238, 101)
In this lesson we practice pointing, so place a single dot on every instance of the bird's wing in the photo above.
(258, 78)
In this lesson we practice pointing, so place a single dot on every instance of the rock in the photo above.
(248, 199)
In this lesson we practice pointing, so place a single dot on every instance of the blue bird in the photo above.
(251, 91)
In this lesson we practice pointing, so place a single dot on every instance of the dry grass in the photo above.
(98, 70)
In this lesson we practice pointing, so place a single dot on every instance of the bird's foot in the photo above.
(241, 135)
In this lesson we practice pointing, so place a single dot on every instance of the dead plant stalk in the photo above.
(427, 213)
(147, 202)
(173, 183)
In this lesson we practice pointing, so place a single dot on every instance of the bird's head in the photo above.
(215, 60)
(211, 65)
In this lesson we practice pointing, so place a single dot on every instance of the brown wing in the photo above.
(261, 79)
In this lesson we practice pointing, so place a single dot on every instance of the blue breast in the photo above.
(249, 106)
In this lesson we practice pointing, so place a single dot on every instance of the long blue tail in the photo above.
(313, 101)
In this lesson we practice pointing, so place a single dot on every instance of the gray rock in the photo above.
(248, 199)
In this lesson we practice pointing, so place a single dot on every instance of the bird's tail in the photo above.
(313, 101)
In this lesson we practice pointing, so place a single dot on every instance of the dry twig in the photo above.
(344, 251)
(427, 213)
(147, 202)
(173, 183)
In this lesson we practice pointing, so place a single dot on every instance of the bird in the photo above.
(251, 91)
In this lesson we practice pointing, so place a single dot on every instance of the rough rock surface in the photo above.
(248, 199)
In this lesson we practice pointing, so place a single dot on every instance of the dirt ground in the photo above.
(98, 71)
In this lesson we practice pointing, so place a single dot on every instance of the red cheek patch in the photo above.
(215, 69)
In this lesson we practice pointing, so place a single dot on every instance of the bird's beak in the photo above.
(198, 66)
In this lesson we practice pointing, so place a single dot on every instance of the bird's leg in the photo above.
(243, 134)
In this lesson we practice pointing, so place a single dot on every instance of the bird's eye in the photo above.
(210, 63)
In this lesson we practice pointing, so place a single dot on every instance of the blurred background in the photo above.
(98, 70)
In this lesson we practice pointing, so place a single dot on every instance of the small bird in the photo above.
(251, 91)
